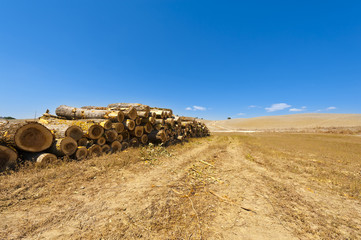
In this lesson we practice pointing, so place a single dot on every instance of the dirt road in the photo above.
(220, 187)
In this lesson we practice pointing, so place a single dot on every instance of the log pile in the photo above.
(78, 133)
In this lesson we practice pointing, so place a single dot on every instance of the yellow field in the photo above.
(308, 122)
(227, 186)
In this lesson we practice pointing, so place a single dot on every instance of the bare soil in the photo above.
(227, 186)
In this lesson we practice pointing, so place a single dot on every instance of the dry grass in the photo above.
(295, 186)
(331, 160)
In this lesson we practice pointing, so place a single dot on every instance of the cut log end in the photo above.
(118, 127)
(144, 139)
(46, 158)
(105, 148)
(95, 150)
(33, 137)
(116, 146)
(68, 146)
(101, 141)
(130, 124)
(111, 135)
(81, 153)
(95, 131)
(82, 142)
(74, 132)
(8, 157)
(107, 124)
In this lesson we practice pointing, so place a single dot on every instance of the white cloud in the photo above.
(298, 109)
(331, 108)
(241, 114)
(199, 108)
(196, 108)
(277, 107)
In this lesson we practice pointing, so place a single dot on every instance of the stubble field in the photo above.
(227, 186)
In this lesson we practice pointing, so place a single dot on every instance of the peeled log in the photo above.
(111, 135)
(116, 146)
(143, 114)
(81, 153)
(41, 157)
(8, 157)
(28, 136)
(82, 113)
(65, 146)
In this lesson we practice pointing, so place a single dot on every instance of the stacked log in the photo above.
(78, 133)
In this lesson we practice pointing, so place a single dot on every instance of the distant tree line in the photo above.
(6, 117)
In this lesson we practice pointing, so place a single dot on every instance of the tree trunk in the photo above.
(8, 157)
(63, 130)
(116, 146)
(157, 136)
(101, 141)
(81, 153)
(137, 106)
(94, 150)
(129, 124)
(144, 139)
(105, 148)
(40, 157)
(138, 131)
(82, 113)
(82, 142)
(138, 121)
(27, 136)
(64, 147)
(148, 127)
(111, 135)
(134, 142)
(118, 127)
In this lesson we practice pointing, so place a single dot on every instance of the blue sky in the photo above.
(211, 59)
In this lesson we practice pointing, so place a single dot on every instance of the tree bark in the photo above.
(137, 106)
(82, 113)
(157, 136)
